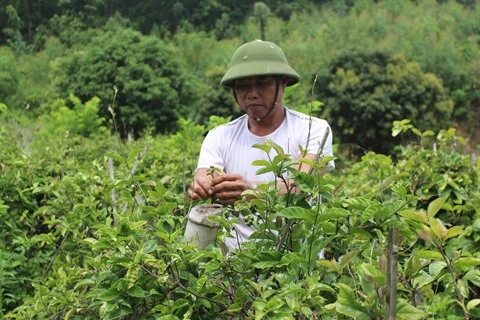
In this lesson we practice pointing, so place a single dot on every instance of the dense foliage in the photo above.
(87, 48)
(20, 19)
(365, 92)
(156, 88)
(93, 223)
(95, 230)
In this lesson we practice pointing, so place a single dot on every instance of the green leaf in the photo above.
(137, 292)
(473, 276)
(265, 264)
(235, 307)
(274, 304)
(428, 133)
(306, 311)
(265, 170)
(132, 155)
(254, 285)
(169, 317)
(293, 257)
(423, 279)
(276, 147)
(137, 224)
(116, 157)
(437, 227)
(297, 213)
(348, 303)
(396, 130)
(472, 304)
(90, 241)
(267, 259)
(416, 132)
(464, 263)
(84, 283)
(263, 147)
(180, 303)
(414, 215)
(330, 264)
(405, 311)
(370, 270)
(429, 254)
(344, 260)
(453, 232)
(263, 163)
(435, 206)
(118, 313)
(462, 288)
(333, 213)
(109, 295)
(436, 267)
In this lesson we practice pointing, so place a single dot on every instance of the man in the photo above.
(258, 76)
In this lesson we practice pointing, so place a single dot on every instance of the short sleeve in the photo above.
(210, 152)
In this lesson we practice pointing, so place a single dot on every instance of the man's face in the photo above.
(256, 95)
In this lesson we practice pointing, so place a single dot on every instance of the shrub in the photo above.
(125, 256)
(365, 92)
(155, 88)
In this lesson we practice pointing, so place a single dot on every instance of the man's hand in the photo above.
(229, 187)
(201, 187)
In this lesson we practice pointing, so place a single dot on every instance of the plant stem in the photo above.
(454, 278)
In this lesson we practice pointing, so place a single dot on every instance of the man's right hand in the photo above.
(229, 187)
(201, 187)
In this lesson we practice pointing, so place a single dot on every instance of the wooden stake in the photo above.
(392, 273)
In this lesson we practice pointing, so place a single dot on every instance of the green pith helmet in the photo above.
(258, 58)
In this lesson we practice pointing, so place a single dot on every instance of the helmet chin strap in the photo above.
(268, 112)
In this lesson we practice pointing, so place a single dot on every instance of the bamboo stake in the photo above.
(392, 273)
(113, 193)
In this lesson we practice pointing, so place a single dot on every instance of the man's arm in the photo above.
(228, 188)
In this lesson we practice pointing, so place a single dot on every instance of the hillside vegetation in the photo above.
(103, 109)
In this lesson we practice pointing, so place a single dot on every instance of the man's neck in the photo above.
(269, 124)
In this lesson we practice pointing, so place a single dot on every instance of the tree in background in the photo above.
(261, 13)
(13, 30)
(365, 92)
(155, 87)
(8, 74)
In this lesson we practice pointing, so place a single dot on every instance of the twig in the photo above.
(460, 298)
(60, 247)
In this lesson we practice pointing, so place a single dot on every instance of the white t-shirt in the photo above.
(229, 147)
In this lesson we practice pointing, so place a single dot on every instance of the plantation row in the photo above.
(93, 229)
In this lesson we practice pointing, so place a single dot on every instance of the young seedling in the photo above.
(211, 172)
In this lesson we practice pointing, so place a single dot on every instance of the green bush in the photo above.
(25, 79)
(41, 161)
(365, 92)
(155, 87)
(97, 245)
(80, 119)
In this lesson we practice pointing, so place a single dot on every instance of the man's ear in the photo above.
(284, 82)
